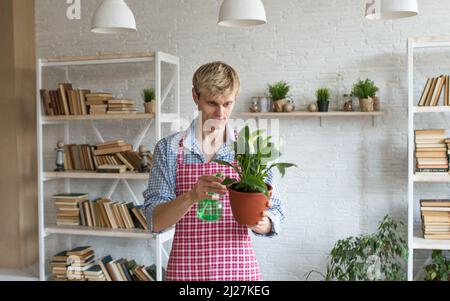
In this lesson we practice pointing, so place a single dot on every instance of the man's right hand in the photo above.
(205, 185)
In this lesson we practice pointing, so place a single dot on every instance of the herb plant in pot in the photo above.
(365, 91)
(149, 100)
(323, 99)
(250, 195)
(278, 93)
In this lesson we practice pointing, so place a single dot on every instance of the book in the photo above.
(103, 265)
(112, 168)
(438, 90)
(63, 92)
(425, 92)
(435, 203)
(79, 250)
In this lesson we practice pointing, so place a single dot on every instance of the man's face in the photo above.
(215, 110)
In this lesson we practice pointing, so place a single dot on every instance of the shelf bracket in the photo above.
(97, 132)
(135, 199)
(142, 135)
(66, 70)
(320, 121)
(112, 189)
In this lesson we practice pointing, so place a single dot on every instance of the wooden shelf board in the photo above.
(430, 177)
(103, 232)
(95, 175)
(437, 109)
(429, 244)
(312, 114)
(98, 117)
(105, 56)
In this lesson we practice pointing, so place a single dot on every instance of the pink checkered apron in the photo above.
(209, 251)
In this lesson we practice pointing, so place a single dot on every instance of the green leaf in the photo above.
(228, 181)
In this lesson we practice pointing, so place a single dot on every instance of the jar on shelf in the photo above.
(254, 107)
(348, 103)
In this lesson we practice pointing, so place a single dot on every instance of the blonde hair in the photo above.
(216, 78)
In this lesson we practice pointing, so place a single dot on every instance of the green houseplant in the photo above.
(249, 196)
(278, 93)
(323, 99)
(365, 91)
(373, 257)
(149, 100)
(439, 269)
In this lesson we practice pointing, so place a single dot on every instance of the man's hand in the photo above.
(264, 226)
(205, 185)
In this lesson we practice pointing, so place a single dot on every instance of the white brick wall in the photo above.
(351, 174)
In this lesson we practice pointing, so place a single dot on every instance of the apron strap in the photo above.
(180, 148)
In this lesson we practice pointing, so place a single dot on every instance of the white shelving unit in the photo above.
(159, 118)
(415, 240)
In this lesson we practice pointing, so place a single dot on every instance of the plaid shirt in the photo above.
(161, 184)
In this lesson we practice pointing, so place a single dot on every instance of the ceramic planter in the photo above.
(149, 106)
(323, 106)
(248, 207)
(366, 104)
(279, 104)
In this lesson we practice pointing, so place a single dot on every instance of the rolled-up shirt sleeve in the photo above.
(276, 213)
(161, 183)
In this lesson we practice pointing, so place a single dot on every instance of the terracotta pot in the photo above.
(366, 104)
(279, 104)
(248, 207)
(149, 107)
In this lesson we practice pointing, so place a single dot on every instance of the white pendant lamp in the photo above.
(235, 13)
(390, 9)
(113, 17)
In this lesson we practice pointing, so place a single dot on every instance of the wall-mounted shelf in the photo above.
(431, 177)
(94, 175)
(315, 114)
(107, 232)
(420, 243)
(49, 119)
(438, 109)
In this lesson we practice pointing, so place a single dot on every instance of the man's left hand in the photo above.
(264, 226)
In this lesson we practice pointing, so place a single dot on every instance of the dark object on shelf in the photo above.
(143, 152)
(59, 156)
(323, 106)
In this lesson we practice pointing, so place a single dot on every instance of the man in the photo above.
(182, 175)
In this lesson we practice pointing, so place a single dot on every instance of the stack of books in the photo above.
(124, 270)
(64, 101)
(431, 151)
(79, 265)
(59, 266)
(68, 210)
(115, 215)
(89, 157)
(121, 106)
(435, 219)
(80, 259)
(95, 273)
(434, 88)
(98, 102)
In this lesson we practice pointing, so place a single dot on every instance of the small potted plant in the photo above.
(249, 196)
(365, 91)
(323, 99)
(278, 93)
(149, 100)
